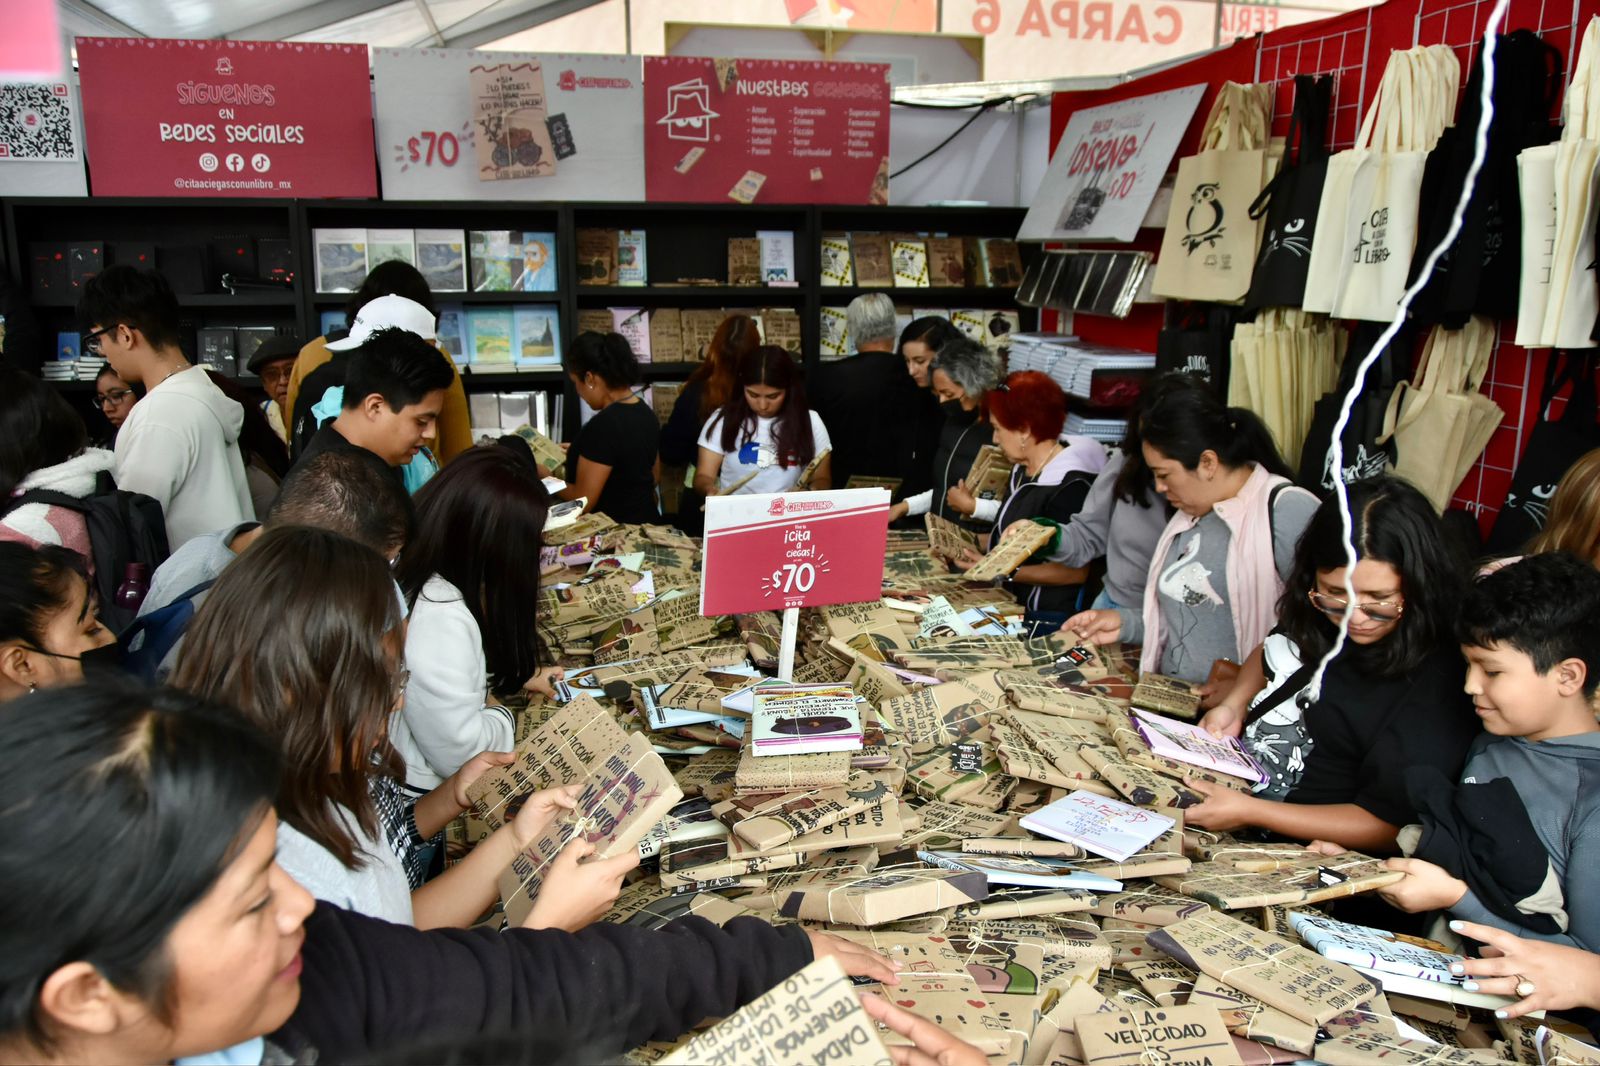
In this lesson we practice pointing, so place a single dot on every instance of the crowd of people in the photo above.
(330, 639)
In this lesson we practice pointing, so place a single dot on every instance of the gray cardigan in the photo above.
(1125, 533)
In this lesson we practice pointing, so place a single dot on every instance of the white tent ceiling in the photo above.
(391, 23)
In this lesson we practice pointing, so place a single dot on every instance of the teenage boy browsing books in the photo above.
(1531, 636)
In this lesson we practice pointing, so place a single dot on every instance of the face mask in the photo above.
(954, 412)
(96, 662)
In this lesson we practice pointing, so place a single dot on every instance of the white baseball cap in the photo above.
(386, 312)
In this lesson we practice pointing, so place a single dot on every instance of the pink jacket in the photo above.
(1253, 582)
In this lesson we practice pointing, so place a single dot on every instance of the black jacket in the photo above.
(679, 444)
(369, 986)
(959, 444)
(1057, 498)
(867, 401)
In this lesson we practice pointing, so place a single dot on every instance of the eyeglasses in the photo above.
(271, 374)
(91, 340)
(112, 397)
(1378, 611)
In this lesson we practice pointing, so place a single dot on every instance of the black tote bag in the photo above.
(1198, 344)
(1290, 201)
(1478, 274)
(1553, 446)
(1364, 457)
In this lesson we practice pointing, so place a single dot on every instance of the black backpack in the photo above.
(124, 527)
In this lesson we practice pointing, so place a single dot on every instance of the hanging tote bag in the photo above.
(1367, 451)
(1288, 205)
(1386, 195)
(1553, 446)
(1441, 423)
(1209, 247)
(1536, 179)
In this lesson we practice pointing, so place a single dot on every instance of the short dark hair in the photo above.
(480, 526)
(126, 296)
(162, 789)
(392, 277)
(1392, 522)
(1188, 419)
(397, 365)
(1546, 606)
(349, 494)
(34, 584)
(37, 428)
(295, 640)
(606, 355)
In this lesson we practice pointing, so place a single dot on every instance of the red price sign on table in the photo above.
(797, 549)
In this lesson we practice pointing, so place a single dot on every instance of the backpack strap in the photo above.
(50, 498)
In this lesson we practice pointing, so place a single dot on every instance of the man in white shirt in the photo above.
(180, 444)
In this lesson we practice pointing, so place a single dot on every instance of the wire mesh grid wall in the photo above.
(1347, 53)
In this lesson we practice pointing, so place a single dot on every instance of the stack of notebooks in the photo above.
(1103, 375)
(919, 261)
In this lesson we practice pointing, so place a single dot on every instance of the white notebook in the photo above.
(1106, 827)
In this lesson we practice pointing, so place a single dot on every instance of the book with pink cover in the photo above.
(1188, 743)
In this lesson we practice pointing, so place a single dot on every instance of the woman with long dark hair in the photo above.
(307, 642)
(471, 575)
(1220, 566)
(612, 462)
(765, 436)
(191, 940)
(1392, 699)
(709, 388)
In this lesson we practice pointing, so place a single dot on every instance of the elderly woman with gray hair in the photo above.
(963, 372)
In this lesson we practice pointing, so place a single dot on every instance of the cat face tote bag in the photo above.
(1209, 247)
(1288, 205)
(1553, 446)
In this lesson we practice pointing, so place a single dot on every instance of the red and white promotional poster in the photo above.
(226, 118)
(793, 549)
(770, 131)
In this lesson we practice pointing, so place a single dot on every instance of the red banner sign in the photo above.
(797, 549)
(226, 118)
(769, 131)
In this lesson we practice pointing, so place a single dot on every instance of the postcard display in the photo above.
(999, 825)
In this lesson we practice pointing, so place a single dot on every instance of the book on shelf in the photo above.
(835, 266)
(490, 260)
(249, 339)
(631, 269)
(1104, 826)
(489, 333)
(538, 335)
(909, 257)
(633, 325)
(533, 262)
(744, 261)
(1002, 263)
(780, 326)
(594, 320)
(442, 259)
(331, 322)
(384, 245)
(999, 327)
(699, 328)
(450, 335)
(869, 254)
(341, 259)
(69, 345)
(972, 324)
(666, 335)
(217, 348)
(805, 719)
(597, 256)
(947, 262)
(777, 257)
(835, 332)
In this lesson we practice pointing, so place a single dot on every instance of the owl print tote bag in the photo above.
(1209, 247)
(1287, 207)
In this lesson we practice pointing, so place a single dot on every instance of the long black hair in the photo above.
(35, 583)
(480, 525)
(162, 791)
(37, 429)
(1187, 419)
(791, 430)
(1392, 522)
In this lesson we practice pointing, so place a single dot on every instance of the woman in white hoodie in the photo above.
(43, 445)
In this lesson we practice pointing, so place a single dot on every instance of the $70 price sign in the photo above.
(428, 148)
(801, 549)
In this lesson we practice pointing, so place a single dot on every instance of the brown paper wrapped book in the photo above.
(1013, 550)
(1292, 978)
(567, 748)
(767, 821)
(1322, 877)
(886, 895)
(1252, 1019)
(947, 539)
(1180, 1036)
(813, 1016)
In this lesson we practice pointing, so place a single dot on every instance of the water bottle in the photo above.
(135, 584)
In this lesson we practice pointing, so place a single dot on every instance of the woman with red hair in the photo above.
(1050, 482)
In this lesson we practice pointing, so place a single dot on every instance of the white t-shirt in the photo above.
(758, 453)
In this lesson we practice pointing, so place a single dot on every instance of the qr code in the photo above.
(36, 123)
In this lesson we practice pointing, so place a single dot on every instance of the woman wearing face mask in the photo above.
(191, 942)
(1049, 483)
(1391, 701)
(1219, 569)
(48, 625)
(765, 436)
(962, 374)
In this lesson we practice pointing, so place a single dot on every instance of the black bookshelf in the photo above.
(683, 241)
